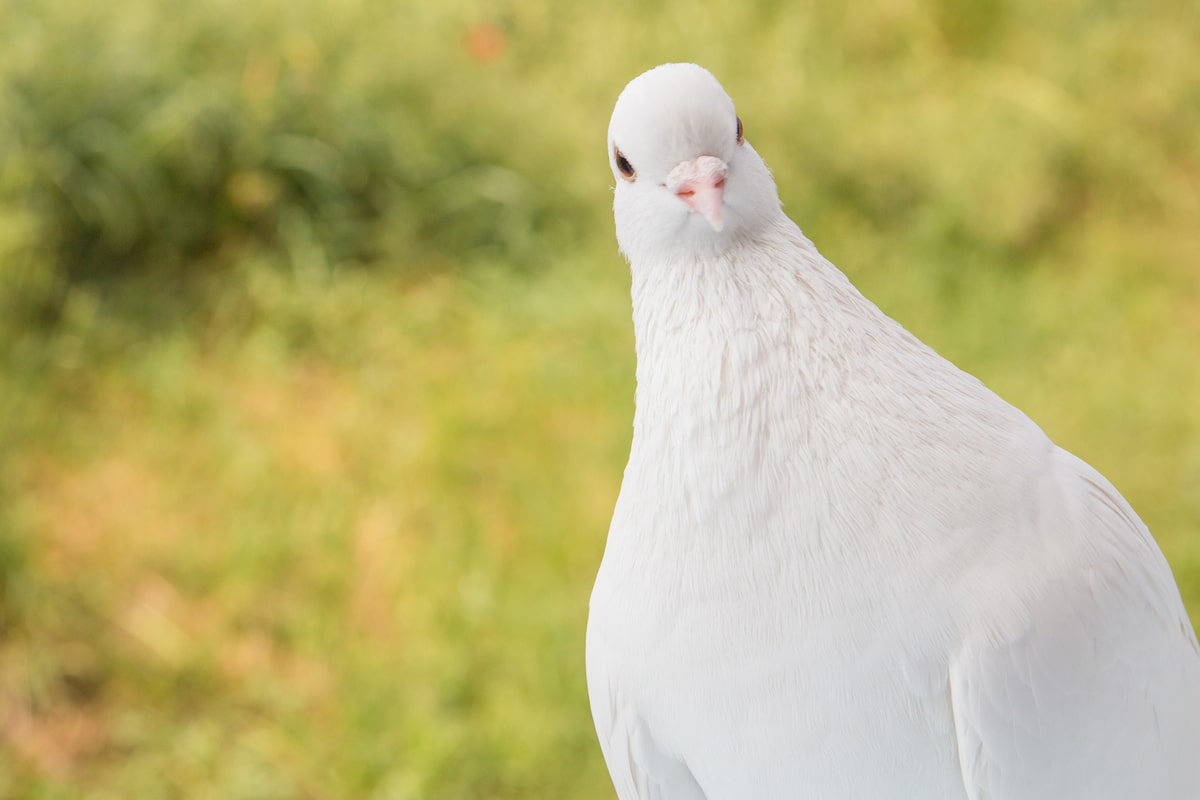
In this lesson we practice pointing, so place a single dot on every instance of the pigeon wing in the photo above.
(639, 769)
(1098, 696)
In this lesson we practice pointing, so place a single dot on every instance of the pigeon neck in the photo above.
(719, 336)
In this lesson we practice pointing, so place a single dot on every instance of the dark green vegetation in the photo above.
(315, 363)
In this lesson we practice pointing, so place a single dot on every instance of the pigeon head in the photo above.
(687, 180)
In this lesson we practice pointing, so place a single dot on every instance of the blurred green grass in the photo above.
(317, 369)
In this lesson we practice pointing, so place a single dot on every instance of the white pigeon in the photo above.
(840, 568)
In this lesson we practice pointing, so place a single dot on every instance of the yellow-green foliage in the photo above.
(316, 370)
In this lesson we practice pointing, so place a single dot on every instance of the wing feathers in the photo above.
(1099, 697)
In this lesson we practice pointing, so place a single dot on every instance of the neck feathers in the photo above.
(724, 331)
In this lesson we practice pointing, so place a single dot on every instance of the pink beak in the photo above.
(701, 184)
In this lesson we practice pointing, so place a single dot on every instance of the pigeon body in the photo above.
(839, 567)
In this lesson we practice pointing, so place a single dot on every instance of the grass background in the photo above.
(316, 368)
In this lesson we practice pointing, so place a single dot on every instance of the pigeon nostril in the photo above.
(686, 192)
(720, 184)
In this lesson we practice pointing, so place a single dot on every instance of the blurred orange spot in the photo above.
(485, 42)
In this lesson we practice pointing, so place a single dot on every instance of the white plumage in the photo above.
(839, 567)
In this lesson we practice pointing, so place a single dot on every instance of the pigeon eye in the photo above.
(741, 137)
(623, 166)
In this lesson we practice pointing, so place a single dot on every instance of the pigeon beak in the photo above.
(701, 184)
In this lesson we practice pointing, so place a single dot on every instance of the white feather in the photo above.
(840, 567)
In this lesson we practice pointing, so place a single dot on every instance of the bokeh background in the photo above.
(316, 368)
